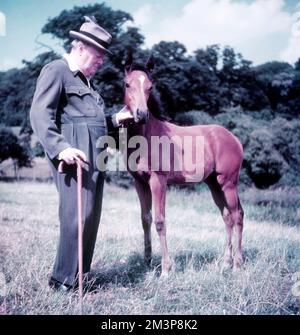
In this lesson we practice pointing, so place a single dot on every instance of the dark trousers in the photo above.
(66, 263)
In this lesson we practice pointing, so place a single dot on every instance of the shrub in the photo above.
(11, 147)
(192, 118)
(264, 164)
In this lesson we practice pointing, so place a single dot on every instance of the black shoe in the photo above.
(58, 286)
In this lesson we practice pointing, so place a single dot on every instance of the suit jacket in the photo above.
(63, 97)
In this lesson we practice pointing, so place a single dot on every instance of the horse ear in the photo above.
(128, 61)
(150, 63)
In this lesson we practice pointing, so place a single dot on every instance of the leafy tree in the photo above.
(17, 88)
(112, 20)
(169, 75)
(276, 80)
(108, 80)
(293, 103)
(207, 89)
(239, 86)
(11, 148)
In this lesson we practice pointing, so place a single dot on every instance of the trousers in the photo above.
(81, 135)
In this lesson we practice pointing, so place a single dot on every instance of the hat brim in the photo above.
(81, 37)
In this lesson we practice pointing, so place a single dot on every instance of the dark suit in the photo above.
(65, 112)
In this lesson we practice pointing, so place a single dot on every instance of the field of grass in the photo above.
(29, 232)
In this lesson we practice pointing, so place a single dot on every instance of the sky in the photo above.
(261, 30)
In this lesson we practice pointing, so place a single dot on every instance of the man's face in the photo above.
(91, 59)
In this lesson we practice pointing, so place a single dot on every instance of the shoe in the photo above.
(58, 286)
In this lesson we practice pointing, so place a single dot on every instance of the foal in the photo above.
(222, 156)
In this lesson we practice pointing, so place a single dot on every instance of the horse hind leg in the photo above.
(235, 218)
(144, 193)
(226, 198)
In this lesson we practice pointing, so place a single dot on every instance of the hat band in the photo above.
(98, 40)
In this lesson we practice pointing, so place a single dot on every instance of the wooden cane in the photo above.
(80, 228)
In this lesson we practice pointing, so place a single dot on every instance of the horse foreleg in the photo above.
(158, 186)
(144, 193)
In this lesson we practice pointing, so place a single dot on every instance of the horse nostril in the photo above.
(142, 113)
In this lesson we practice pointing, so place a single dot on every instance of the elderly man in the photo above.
(67, 115)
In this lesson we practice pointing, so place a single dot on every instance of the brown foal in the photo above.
(221, 159)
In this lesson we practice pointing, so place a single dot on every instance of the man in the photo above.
(67, 115)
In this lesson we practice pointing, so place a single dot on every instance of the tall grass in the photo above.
(195, 230)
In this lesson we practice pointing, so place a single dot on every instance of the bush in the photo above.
(286, 142)
(238, 123)
(264, 163)
(192, 118)
(38, 150)
(11, 147)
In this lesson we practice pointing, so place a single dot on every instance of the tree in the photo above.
(17, 88)
(112, 20)
(275, 79)
(109, 79)
(170, 76)
(11, 148)
(239, 86)
(293, 102)
(206, 81)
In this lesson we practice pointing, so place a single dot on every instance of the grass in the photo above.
(195, 230)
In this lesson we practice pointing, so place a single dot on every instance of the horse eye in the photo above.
(127, 85)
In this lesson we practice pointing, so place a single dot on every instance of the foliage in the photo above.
(276, 80)
(108, 79)
(38, 150)
(11, 148)
(212, 85)
(264, 164)
(17, 88)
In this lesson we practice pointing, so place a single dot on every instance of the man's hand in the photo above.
(124, 116)
(70, 155)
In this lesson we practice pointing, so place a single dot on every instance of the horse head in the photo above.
(138, 86)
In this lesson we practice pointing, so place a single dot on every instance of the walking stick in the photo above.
(80, 229)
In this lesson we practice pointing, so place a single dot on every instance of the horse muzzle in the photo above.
(141, 116)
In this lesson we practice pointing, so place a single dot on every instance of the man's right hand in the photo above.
(70, 155)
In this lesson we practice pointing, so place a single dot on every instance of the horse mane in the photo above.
(154, 102)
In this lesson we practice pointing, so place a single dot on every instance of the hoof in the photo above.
(164, 275)
(226, 266)
(238, 262)
(165, 269)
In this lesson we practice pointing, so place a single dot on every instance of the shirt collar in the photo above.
(73, 66)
